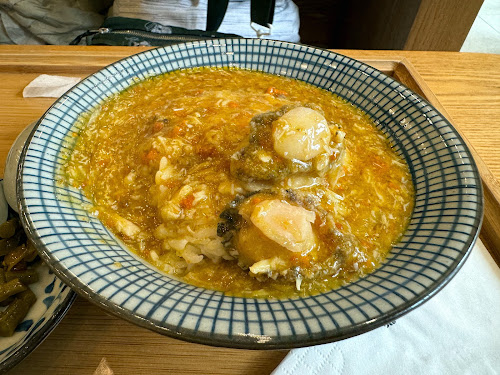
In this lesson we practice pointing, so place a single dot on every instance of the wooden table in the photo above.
(467, 86)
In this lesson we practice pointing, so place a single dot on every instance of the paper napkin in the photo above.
(49, 86)
(455, 332)
(103, 368)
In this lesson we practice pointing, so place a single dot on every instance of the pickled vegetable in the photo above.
(10, 288)
(8, 229)
(18, 259)
(27, 276)
(15, 312)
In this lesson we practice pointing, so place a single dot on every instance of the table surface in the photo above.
(467, 86)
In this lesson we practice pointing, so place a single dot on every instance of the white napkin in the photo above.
(103, 368)
(49, 86)
(455, 332)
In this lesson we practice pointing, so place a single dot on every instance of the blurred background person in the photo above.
(60, 21)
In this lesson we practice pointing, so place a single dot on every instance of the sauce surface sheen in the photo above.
(163, 162)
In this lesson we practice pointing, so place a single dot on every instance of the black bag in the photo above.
(122, 31)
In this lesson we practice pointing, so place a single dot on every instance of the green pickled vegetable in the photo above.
(28, 276)
(6, 302)
(8, 229)
(31, 252)
(15, 256)
(7, 244)
(10, 288)
(17, 270)
(16, 312)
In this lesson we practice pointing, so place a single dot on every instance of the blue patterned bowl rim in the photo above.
(444, 226)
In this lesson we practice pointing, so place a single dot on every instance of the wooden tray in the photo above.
(86, 333)
(404, 72)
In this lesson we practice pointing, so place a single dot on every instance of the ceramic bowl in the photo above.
(54, 299)
(83, 253)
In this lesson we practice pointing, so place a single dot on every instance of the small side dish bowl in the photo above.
(54, 298)
(82, 252)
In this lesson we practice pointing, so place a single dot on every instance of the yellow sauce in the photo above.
(140, 148)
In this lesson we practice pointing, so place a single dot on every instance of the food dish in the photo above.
(18, 270)
(295, 193)
(444, 225)
(54, 299)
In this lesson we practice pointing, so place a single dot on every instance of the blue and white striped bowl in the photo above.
(83, 253)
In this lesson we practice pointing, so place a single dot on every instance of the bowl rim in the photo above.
(221, 340)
